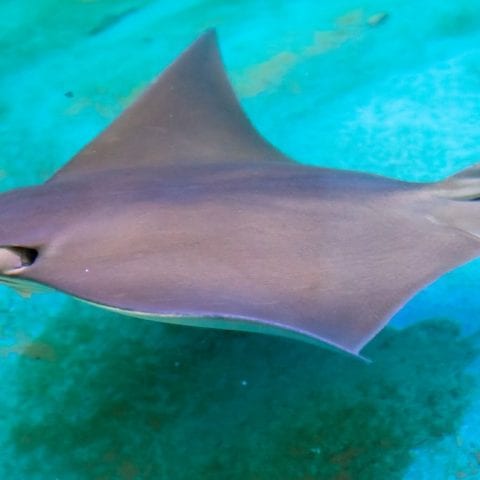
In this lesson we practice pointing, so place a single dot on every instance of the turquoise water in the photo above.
(91, 395)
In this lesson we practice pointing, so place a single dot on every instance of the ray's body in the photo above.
(180, 211)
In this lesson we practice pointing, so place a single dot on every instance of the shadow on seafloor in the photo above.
(118, 397)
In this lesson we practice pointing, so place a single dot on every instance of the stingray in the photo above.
(181, 212)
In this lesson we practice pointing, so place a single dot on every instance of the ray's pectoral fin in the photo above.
(190, 113)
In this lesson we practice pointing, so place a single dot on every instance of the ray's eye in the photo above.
(14, 258)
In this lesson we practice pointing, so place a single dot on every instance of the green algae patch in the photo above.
(131, 399)
(36, 350)
(267, 74)
(413, 394)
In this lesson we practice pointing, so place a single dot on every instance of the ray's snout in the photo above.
(13, 259)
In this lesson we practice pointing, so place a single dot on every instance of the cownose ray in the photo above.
(180, 211)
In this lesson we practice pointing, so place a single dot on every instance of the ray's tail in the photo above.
(459, 200)
(464, 185)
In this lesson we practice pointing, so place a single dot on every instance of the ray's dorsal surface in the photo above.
(181, 211)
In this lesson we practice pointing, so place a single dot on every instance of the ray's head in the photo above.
(15, 259)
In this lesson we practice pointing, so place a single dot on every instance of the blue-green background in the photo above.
(90, 395)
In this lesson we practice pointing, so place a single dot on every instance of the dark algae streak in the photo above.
(144, 401)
